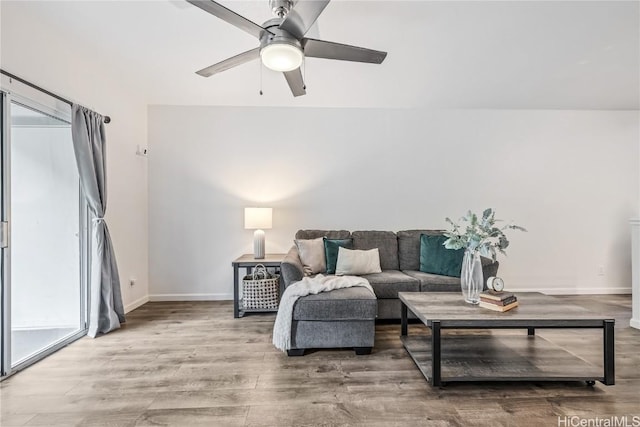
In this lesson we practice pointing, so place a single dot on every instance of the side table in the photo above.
(248, 262)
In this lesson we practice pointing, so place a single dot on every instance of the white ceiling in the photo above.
(477, 54)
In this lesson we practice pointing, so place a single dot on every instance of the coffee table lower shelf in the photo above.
(499, 358)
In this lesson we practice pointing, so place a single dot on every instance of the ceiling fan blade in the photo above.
(343, 52)
(230, 16)
(294, 78)
(234, 61)
(302, 16)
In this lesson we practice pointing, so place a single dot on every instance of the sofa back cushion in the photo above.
(329, 234)
(385, 241)
(409, 247)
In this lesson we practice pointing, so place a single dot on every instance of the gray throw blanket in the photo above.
(307, 286)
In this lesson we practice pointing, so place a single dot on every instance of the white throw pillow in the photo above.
(311, 253)
(356, 262)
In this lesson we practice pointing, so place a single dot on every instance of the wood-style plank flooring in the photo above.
(192, 364)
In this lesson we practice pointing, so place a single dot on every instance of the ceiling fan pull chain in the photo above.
(260, 78)
(304, 73)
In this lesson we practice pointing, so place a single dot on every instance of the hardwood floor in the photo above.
(192, 364)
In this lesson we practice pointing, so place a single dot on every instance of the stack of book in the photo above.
(498, 301)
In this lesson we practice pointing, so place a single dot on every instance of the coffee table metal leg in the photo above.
(609, 353)
(435, 353)
(531, 331)
(403, 319)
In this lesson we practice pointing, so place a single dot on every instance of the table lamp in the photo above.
(258, 219)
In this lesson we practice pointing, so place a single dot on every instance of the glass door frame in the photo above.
(30, 98)
(5, 261)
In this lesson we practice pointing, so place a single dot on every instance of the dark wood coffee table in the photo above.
(483, 356)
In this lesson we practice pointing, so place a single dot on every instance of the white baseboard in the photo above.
(635, 323)
(576, 291)
(191, 297)
(135, 304)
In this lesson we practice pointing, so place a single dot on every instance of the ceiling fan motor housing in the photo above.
(277, 35)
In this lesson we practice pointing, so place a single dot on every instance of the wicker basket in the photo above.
(260, 290)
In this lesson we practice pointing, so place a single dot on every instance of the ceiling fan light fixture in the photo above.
(281, 56)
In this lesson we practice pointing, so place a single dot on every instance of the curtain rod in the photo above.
(107, 119)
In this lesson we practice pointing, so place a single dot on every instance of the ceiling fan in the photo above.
(282, 42)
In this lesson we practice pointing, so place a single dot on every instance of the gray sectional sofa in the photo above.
(399, 261)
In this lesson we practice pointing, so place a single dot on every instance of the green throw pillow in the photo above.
(436, 259)
(331, 251)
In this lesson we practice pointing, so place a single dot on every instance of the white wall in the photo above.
(41, 53)
(570, 177)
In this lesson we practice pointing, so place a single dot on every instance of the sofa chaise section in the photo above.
(336, 319)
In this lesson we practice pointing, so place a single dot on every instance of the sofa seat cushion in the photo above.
(388, 283)
(434, 282)
(356, 303)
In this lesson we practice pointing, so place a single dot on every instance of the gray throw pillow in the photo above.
(312, 255)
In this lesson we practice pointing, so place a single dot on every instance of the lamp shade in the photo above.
(257, 218)
(281, 56)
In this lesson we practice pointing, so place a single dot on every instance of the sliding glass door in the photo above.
(44, 281)
(5, 321)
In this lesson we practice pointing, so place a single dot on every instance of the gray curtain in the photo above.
(106, 311)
